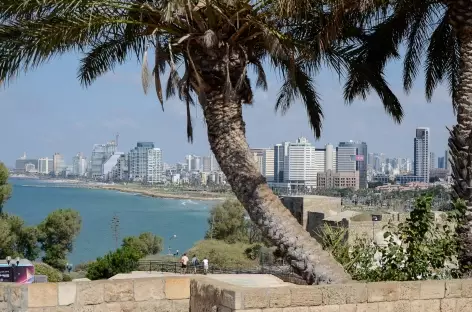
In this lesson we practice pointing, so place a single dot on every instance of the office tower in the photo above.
(421, 154)
(196, 163)
(44, 165)
(206, 163)
(20, 163)
(214, 163)
(441, 163)
(370, 160)
(432, 160)
(258, 156)
(155, 170)
(346, 159)
(188, 162)
(330, 160)
(100, 154)
(268, 164)
(58, 163)
(79, 165)
(299, 165)
(280, 152)
(138, 161)
(360, 160)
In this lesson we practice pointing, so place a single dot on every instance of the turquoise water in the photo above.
(187, 219)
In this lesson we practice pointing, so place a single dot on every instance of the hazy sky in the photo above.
(47, 111)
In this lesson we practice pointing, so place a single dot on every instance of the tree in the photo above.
(5, 188)
(16, 239)
(147, 243)
(57, 234)
(213, 44)
(227, 222)
(123, 260)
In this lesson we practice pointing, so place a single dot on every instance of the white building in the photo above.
(100, 154)
(120, 170)
(79, 165)
(421, 154)
(138, 161)
(45, 165)
(300, 164)
(155, 169)
(58, 163)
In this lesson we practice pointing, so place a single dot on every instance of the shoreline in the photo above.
(150, 192)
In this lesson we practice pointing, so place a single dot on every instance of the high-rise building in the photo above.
(20, 164)
(441, 163)
(138, 161)
(155, 169)
(330, 159)
(58, 163)
(214, 163)
(280, 152)
(196, 163)
(300, 164)
(258, 156)
(45, 165)
(268, 167)
(206, 163)
(79, 165)
(100, 154)
(421, 154)
(359, 158)
(432, 160)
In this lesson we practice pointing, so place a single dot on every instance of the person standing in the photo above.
(205, 265)
(195, 264)
(184, 262)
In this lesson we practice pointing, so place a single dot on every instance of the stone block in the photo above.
(334, 294)
(356, 293)
(3, 294)
(4, 307)
(432, 290)
(279, 297)
(182, 305)
(118, 290)
(448, 305)
(395, 306)
(466, 288)
(306, 296)
(383, 291)
(177, 288)
(326, 308)
(149, 289)
(348, 308)
(257, 298)
(294, 309)
(453, 289)
(42, 295)
(155, 306)
(463, 304)
(368, 307)
(426, 305)
(90, 293)
(129, 306)
(17, 296)
(66, 293)
(65, 309)
(409, 290)
(91, 308)
(272, 310)
(224, 309)
(231, 299)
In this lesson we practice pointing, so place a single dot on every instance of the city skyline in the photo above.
(41, 121)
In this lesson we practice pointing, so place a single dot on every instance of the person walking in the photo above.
(205, 265)
(184, 262)
(195, 264)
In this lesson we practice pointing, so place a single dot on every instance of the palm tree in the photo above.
(437, 33)
(207, 46)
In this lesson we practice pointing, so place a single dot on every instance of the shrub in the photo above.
(223, 255)
(66, 278)
(123, 260)
(54, 276)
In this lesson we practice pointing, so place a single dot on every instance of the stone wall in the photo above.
(162, 294)
(428, 296)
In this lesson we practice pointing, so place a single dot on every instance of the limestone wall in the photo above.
(162, 294)
(428, 296)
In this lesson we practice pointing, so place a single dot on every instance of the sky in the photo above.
(47, 111)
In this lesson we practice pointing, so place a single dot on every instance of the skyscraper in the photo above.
(58, 163)
(300, 164)
(155, 169)
(432, 160)
(138, 161)
(268, 161)
(280, 152)
(100, 154)
(359, 159)
(421, 154)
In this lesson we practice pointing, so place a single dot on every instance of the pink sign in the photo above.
(359, 157)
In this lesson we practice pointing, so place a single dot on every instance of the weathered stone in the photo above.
(426, 305)
(395, 306)
(448, 305)
(466, 288)
(129, 306)
(272, 310)
(256, 298)
(4, 307)
(91, 308)
(155, 306)
(356, 293)
(368, 307)
(3, 295)
(18, 296)
(42, 295)
(306, 296)
(383, 291)
(294, 309)
(348, 308)
(65, 309)
(409, 290)
(463, 304)
(453, 289)
(231, 299)
(182, 305)
(177, 288)
(279, 297)
(432, 290)
(118, 290)
(224, 309)
(333, 294)
(66, 293)
(149, 289)
(326, 308)
(90, 293)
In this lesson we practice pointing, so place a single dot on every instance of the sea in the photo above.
(179, 222)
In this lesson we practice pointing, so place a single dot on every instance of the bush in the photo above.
(147, 243)
(123, 260)
(54, 276)
(82, 267)
(66, 278)
(223, 255)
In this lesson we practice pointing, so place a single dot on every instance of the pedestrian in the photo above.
(205, 265)
(195, 264)
(184, 262)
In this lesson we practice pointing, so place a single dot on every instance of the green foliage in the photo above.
(223, 255)
(147, 243)
(5, 188)
(66, 277)
(16, 239)
(122, 260)
(54, 276)
(419, 248)
(57, 234)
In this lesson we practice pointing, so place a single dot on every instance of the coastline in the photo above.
(134, 189)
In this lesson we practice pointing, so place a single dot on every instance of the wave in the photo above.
(188, 201)
(30, 185)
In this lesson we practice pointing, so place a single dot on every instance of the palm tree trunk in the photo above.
(460, 141)
(226, 134)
